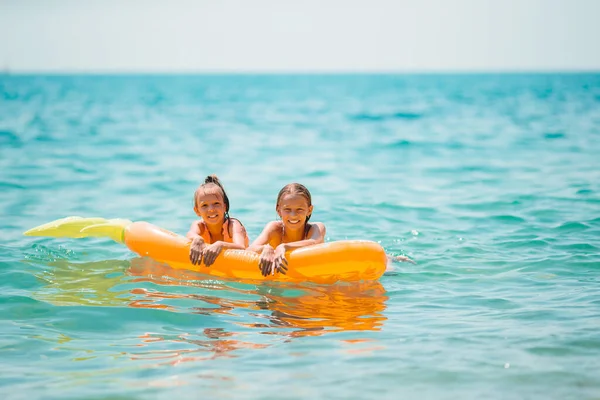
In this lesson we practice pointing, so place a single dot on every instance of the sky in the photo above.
(299, 36)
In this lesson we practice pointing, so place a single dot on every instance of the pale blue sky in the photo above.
(302, 35)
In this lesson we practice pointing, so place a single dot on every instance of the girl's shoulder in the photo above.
(319, 225)
(274, 228)
(201, 225)
(273, 225)
(314, 227)
(202, 229)
(233, 222)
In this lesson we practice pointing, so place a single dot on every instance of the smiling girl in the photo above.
(293, 231)
(216, 230)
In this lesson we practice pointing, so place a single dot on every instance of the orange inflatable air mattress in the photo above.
(347, 260)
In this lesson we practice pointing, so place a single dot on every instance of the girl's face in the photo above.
(293, 210)
(211, 208)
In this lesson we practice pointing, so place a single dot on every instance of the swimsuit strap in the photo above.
(224, 229)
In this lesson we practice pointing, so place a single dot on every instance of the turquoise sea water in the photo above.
(490, 182)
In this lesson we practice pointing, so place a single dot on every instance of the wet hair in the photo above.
(212, 185)
(295, 188)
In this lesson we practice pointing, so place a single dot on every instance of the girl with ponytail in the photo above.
(216, 230)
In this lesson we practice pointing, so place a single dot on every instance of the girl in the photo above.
(216, 230)
(293, 231)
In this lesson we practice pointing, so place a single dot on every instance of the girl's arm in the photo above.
(261, 246)
(238, 236)
(316, 235)
(197, 246)
(263, 239)
(194, 231)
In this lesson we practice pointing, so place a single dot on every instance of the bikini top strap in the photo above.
(205, 233)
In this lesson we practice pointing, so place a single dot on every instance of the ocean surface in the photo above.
(491, 183)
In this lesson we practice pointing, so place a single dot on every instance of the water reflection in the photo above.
(285, 310)
(322, 309)
(214, 346)
(90, 283)
(302, 308)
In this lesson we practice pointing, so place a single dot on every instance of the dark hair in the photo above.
(210, 184)
(295, 188)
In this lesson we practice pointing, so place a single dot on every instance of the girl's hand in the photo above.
(265, 264)
(211, 252)
(196, 249)
(403, 259)
(280, 263)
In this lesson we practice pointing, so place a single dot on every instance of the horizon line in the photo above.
(458, 71)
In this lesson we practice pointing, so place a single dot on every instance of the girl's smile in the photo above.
(294, 210)
(210, 208)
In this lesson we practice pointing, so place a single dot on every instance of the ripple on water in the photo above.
(488, 181)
